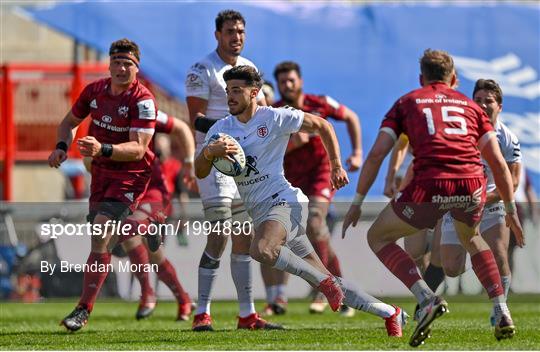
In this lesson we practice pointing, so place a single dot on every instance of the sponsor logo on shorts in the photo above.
(408, 212)
(469, 202)
(280, 202)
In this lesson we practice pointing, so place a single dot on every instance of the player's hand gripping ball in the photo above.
(235, 164)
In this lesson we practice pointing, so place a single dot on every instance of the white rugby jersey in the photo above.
(264, 139)
(205, 80)
(510, 150)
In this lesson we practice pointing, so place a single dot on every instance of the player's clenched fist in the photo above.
(339, 177)
(57, 157)
(352, 217)
(89, 146)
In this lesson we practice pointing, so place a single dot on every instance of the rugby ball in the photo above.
(225, 166)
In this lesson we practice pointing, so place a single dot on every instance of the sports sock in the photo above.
(321, 248)
(486, 270)
(359, 299)
(506, 282)
(280, 292)
(403, 267)
(271, 293)
(434, 276)
(208, 268)
(167, 274)
(241, 274)
(139, 255)
(93, 279)
(333, 265)
(293, 264)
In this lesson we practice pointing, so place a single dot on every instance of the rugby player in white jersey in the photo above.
(207, 102)
(493, 229)
(279, 211)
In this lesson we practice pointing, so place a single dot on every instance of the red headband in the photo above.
(127, 56)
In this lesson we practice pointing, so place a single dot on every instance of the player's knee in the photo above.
(316, 224)
(241, 243)
(452, 269)
(208, 262)
(373, 239)
(216, 243)
(263, 252)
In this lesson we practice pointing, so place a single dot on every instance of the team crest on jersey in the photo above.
(123, 111)
(262, 131)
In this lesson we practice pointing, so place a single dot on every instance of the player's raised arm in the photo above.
(312, 123)
(65, 137)
(503, 179)
(354, 161)
(372, 164)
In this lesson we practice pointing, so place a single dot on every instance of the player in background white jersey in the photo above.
(205, 90)
(493, 229)
(279, 211)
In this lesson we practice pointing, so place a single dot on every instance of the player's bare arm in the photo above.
(396, 159)
(196, 107)
(65, 137)
(216, 149)
(354, 161)
(503, 179)
(133, 150)
(182, 133)
(378, 152)
(313, 123)
(515, 172)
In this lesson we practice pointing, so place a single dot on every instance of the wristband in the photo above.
(106, 150)
(510, 207)
(62, 146)
(358, 199)
(335, 163)
(203, 124)
(189, 160)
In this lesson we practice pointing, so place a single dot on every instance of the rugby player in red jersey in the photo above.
(123, 114)
(154, 208)
(447, 132)
(307, 167)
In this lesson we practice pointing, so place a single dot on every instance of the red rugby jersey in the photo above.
(444, 129)
(114, 116)
(312, 152)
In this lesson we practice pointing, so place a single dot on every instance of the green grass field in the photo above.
(112, 327)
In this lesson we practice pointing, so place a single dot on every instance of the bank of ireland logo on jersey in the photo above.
(262, 131)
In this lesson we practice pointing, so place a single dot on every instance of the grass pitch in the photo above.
(112, 326)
